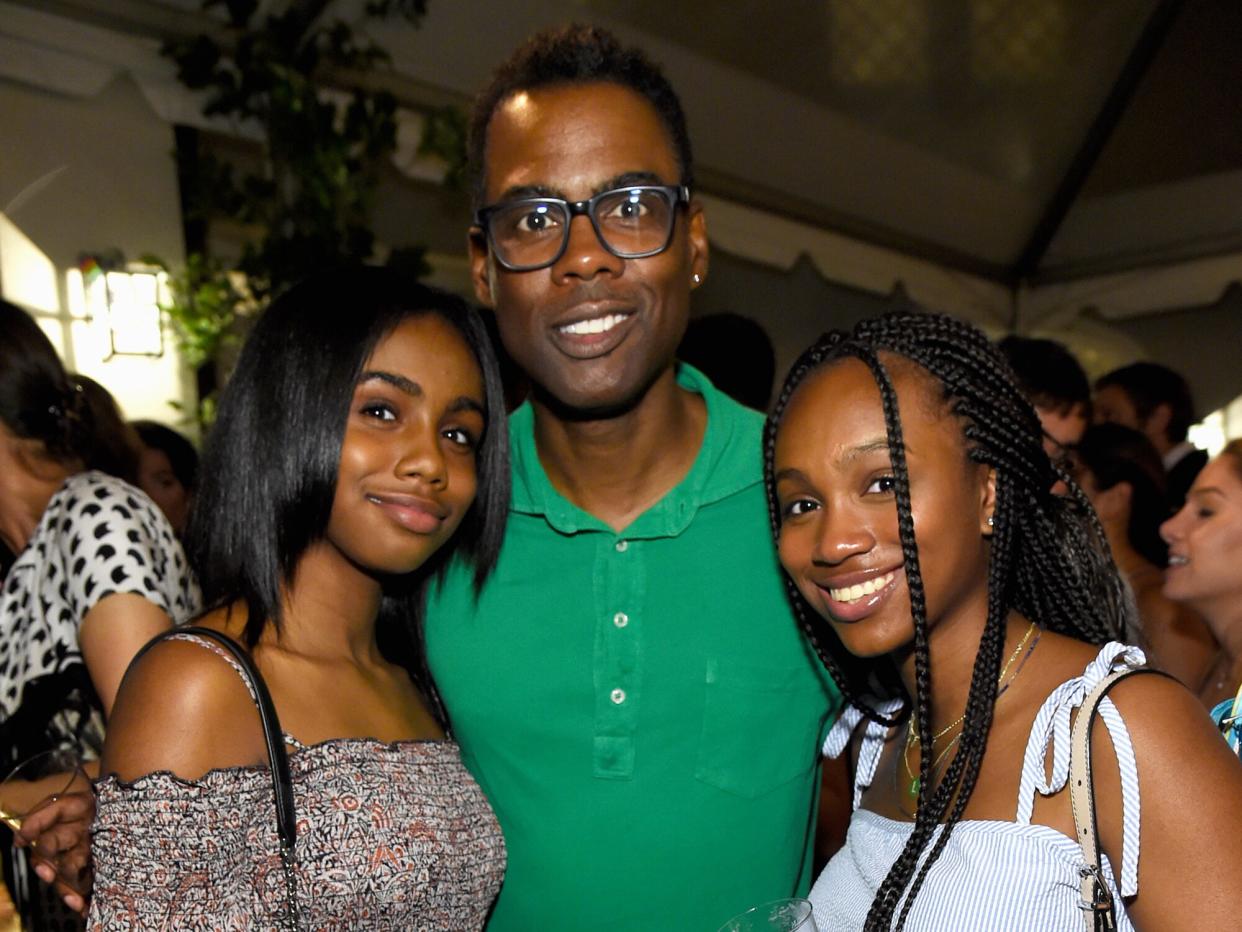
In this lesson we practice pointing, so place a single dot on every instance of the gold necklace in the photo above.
(912, 738)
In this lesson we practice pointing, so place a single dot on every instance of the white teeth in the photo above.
(857, 591)
(594, 325)
(1178, 560)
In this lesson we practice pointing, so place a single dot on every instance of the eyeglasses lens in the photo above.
(530, 233)
(633, 222)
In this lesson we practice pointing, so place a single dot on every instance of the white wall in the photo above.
(85, 175)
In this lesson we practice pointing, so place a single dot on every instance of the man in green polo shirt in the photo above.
(629, 688)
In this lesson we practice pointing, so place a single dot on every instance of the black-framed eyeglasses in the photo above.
(632, 223)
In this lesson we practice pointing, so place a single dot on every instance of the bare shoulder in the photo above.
(1174, 738)
(1158, 708)
(1190, 782)
(181, 708)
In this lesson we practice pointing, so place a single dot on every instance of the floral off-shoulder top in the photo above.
(389, 836)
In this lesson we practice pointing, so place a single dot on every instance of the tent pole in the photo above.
(1137, 64)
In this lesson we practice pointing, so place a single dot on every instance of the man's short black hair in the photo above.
(1048, 374)
(576, 54)
(1149, 385)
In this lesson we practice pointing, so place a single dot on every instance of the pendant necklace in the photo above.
(911, 789)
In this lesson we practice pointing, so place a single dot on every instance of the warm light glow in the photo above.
(133, 313)
(1218, 428)
(115, 329)
(1209, 434)
(75, 293)
(118, 311)
(27, 275)
(109, 328)
(55, 332)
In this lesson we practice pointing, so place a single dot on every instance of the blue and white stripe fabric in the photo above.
(993, 876)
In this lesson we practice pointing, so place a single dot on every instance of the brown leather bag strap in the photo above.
(1096, 901)
(278, 758)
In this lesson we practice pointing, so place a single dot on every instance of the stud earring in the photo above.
(698, 279)
(991, 521)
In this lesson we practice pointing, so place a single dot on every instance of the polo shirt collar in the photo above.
(722, 468)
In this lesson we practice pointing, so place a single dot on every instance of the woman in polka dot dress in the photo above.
(97, 572)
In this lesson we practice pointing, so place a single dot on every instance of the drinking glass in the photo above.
(28, 785)
(778, 916)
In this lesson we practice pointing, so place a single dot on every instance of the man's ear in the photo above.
(481, 271)
(697, 236)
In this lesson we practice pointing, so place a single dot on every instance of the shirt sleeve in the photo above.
(114, 540)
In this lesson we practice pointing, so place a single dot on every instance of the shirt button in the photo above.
(620, 619)
(618, 696)
(622, 546)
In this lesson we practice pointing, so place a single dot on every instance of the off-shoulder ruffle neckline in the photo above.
(216, 775)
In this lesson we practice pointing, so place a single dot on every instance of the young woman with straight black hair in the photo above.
(360, 445)
(965, 611)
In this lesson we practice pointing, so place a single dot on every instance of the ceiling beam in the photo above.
(1119, 96)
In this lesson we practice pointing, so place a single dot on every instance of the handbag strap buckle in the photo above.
(1099, 906)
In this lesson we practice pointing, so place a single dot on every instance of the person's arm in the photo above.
(126, 577)
(183, 710)
(1190, 783)
(111, 633)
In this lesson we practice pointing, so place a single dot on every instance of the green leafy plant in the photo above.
(206, 301)
(296, 78)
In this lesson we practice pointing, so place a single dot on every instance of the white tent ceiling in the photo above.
(1017, 160)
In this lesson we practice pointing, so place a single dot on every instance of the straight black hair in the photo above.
(1049, 557)
(270, 464)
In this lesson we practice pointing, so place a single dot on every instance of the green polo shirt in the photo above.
(640, 708)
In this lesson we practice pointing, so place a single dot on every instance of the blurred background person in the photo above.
(1205, 541)
(117, 449)
(1054, 382)
(167, 470)
(97, 571)
(1120, 471)
(1155, 400)
(735, 353)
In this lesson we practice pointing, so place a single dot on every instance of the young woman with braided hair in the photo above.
(965, 611)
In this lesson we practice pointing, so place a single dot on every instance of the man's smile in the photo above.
(593, 324)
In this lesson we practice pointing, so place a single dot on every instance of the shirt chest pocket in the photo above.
(761, 727)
